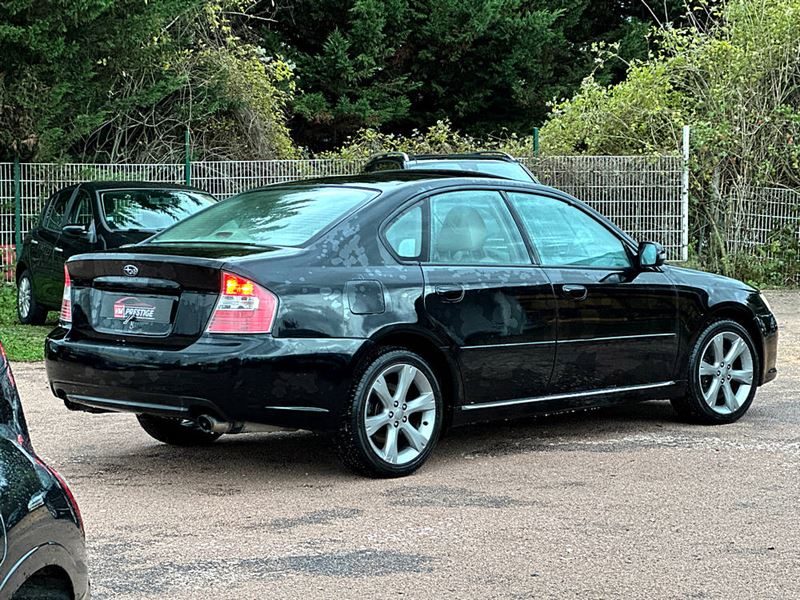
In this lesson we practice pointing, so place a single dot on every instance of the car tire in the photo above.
(723, 375)
(176, 432)
(393, 417)
(29, 312)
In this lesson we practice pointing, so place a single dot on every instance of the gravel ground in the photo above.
(626, 503)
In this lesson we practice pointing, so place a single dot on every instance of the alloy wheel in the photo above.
(400, 414)
(726, 372)
(24, 297)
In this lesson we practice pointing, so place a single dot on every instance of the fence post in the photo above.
(17, 208)
(685, 194)
(536, 141)
(187, 165)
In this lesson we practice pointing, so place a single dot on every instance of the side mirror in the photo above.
(76, 230)
(651, 254)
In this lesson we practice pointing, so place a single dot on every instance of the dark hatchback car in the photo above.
(42, 547)
(90, 217)
(384, 307)
(497, 164)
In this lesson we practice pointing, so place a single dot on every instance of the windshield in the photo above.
(150, 210)
(508, 170)
(268, 217)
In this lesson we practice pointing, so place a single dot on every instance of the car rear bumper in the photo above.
(297, 382)
(768, 325)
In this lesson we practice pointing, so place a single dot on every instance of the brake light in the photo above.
(67, 492)
(66, 299)
(242, 307)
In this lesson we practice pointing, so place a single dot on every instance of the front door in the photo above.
(47, 264)
(617, 324)
(483, 294)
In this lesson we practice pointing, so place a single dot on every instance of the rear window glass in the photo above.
(508, 170)
(150, 210)
(269, 217)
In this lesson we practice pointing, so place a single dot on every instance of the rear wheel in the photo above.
(394, 416)
(29, 311)
(176, 432)
(723, 375)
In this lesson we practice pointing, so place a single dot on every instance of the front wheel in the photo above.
(394, 416)
(723, 375)
(176, 432)
(29, 311)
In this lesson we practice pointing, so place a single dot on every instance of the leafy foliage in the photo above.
(483, 64)
(121, 80)
(735, 77)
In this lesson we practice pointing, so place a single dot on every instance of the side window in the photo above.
(474, 227)
(566, 236)
(81, 213)
(55, 213)
(405, 233)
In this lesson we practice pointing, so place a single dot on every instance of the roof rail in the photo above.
(381, 155)
(487, 154)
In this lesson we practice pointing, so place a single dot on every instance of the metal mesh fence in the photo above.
(641, 194)
(761, 214)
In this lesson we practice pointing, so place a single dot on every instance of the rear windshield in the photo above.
(269, 217)
(508, 170)
(150, 210)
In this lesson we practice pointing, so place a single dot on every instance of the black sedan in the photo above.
(89, 217)
(382, 308)
(42, 548)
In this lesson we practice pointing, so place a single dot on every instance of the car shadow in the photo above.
(303, 454)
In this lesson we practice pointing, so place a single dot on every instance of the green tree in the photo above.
(120, 80)
(485, 65)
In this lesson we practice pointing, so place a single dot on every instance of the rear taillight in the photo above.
(242, 307)
(66, 299)
(67, 492)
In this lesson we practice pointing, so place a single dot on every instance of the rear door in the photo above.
(617, 324)
(47, 262)
(483, 294)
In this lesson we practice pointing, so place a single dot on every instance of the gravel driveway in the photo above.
(626, 503)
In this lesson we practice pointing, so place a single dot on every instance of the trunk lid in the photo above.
(150, 295)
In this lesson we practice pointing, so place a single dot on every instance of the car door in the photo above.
(47, 264)
(617, 324)
(484, 295)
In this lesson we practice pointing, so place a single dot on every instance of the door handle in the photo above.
(574, 292)
(57, 249)
(34, 242)
(450, 293)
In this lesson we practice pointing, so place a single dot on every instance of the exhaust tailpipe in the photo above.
(211, 424)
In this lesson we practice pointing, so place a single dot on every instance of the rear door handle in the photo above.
(57, 249)
(574, 292)
(450, 293)
(34, 242)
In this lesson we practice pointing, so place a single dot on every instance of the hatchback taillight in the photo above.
(243, 307)
(66, 299)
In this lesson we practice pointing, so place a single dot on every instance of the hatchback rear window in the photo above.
(268, 217)
(150, 210)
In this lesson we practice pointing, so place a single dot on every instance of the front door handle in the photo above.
(35, 242)
(57, 249)
(450, 293)
(574, 292)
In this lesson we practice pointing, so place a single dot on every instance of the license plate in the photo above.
(138, 315)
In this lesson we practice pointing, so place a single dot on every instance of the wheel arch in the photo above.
(433, 351)
(742, 315)
(22, 266)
